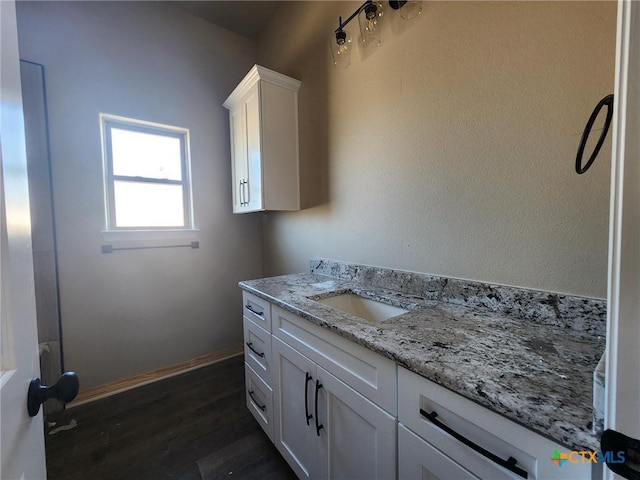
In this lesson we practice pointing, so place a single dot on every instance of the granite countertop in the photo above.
(539, 376)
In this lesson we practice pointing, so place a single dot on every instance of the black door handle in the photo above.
(307, 378)
(64, 390)
(319, 426)
(608, 101)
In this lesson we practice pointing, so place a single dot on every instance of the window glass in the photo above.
(148, 205)
(145, 154)
(147, 181)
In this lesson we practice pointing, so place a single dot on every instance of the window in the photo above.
(147, 181)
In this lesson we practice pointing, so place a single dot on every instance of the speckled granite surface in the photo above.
(587, 315)
(539, 376)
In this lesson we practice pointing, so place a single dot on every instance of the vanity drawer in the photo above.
(418, 397)
(488, 430)
(256, 309)
(419, 459)
(259, 400)
(367, 372)
(257, 349)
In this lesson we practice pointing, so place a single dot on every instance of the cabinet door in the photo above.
(253, 188)
(358, 437)
(239, 166)
(418, 459)
(294, 430)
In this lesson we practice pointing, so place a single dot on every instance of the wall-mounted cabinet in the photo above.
(263, 117)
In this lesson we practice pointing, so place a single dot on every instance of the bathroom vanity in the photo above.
(433, 378)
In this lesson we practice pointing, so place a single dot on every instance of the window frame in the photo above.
(107, 123)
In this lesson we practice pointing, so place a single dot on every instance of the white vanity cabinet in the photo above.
(442, 435)
(263, 117)
(335, 409)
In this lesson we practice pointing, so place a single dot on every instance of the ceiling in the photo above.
(244, 17)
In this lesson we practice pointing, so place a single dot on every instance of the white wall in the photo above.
(131, 312)
(450, 150)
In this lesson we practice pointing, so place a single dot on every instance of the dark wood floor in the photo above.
(191, 427)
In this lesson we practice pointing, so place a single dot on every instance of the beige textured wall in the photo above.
(450, 149)
(131, 312)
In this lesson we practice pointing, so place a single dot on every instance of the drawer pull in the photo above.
(255, 402)
(318, 426)
(307, 377)
(250, 345)
(250, 308)
(510, 463)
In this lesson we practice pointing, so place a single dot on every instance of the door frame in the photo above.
(623, 326)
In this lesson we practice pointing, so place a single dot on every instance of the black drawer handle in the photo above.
(255, 402)
(510, 463)
(250, 308)
(318, 426)
(307, 378)
(250, 345)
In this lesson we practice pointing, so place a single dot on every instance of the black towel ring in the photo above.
(608, 101)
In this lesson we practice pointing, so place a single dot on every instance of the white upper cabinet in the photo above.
(263, 115)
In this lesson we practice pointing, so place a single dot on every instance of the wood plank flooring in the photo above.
(194, 426)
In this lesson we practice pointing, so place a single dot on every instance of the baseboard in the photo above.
(123, 385)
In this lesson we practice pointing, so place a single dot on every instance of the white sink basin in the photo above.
(363, 307)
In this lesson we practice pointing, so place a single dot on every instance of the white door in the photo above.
(358, 440)
(254, 149)
(294, 407)
(21, 437)
(622, 411)
(239, 169)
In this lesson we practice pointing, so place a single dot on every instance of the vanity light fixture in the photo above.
(341, 48)
(370, 19)
(370, 15)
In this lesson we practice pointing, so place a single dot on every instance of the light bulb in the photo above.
(371, 23)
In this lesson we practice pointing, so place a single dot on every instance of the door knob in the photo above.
(64, 390)
(621, 454)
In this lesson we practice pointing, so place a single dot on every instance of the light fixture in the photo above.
(370, 15)
(341, 47)
(370, 18)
